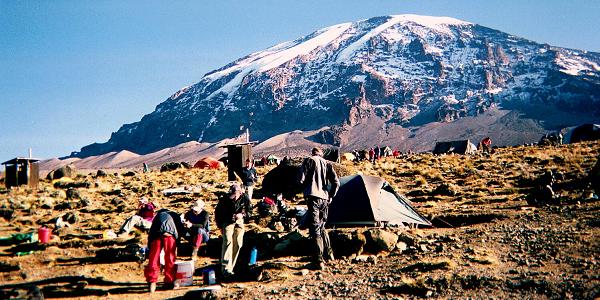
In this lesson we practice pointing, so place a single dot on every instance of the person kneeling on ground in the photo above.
(229, 214)
(142, 219)
(197, 222)
(164, 232)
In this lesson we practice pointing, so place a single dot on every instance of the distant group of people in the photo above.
(374, 153)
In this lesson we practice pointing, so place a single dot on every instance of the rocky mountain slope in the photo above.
(403, 80)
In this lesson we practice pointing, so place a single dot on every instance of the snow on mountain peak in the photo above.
(279, 54)
(276, 56)
(574, 65)
(438, 24)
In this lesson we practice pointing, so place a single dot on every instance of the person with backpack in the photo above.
(320, 184)
(164, 233)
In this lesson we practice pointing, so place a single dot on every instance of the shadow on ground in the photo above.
(70, 286)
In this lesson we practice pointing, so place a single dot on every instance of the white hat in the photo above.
(143, 200)
(198, 206)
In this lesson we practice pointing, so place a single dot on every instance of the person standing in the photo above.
(165, 230)
(371, 155)
(320, 184)
(486, 145)
(197, 222)
(249, 177)
(230, 213)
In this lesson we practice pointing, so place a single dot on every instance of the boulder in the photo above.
(73, 194)
(401, 247)
(71, 217)
(129, 174)
(445, 189)
(101, 173)
(380, 240)
(64, 171)
(407, 238)
(46, 202)
(170, 166)
(346, 243)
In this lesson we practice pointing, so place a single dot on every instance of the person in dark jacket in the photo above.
(249, 177)
(230, 213)
(165, 230)
(320, 184)
(197, 222)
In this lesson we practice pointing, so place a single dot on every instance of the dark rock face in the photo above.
(406, 70)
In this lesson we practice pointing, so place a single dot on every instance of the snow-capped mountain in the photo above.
(402, 80)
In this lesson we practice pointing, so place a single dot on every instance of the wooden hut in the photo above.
(21, 171)
(237, 154)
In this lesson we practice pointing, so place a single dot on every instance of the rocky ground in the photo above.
(487, 242)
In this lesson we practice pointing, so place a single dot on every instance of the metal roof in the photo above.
(17, 160)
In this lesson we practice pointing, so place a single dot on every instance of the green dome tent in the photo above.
(370, 200)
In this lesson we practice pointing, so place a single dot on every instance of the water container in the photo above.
(185, 272)
(44, 235)
(253, 254)
(209, 276)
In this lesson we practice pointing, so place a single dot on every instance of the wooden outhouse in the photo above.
(21, 171)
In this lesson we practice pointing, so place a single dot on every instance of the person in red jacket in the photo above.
(142, 219)
(486, 144)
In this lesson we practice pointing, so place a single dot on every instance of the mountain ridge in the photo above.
(406, 70)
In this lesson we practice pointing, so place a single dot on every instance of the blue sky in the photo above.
(72, 72)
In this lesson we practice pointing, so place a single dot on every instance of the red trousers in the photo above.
(152, 270)
(197, 240)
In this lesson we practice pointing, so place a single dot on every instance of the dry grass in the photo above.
(496, 183)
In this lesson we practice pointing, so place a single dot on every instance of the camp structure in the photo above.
(273, 160)
(208, 163)
(370, 201)
(585, 132)
(21, 171)
(237, 154)
(458, 147)
(387, 151)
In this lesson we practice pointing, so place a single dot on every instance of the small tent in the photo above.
(387, 151)
(585, 132)
(273, 160)
(208, 163)
(458, 147)
(370, 200)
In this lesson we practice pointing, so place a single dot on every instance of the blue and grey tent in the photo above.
(371, 201)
